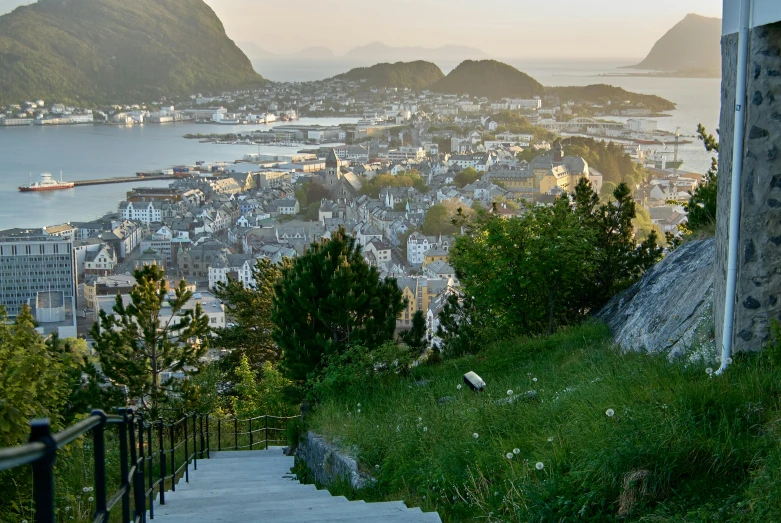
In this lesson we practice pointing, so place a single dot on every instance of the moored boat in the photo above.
(47, 183)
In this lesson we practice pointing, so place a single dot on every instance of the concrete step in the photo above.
(257, 486)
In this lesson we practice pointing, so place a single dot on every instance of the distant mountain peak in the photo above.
(491, 79)
(417, 75)
(692, 44)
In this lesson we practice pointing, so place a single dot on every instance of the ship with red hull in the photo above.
(47, 183)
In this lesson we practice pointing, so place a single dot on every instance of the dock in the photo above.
(123, 179)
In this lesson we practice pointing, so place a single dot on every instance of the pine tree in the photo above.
(249, 311)
(329, 299)
(415, 337)
(140, 340)
(702, 206)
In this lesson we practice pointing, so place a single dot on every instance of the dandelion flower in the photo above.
(534, 380)
(420, 419)
(90, 499)
(425, 429)
(85, 489)
(359, 411)
(610, 413)
(729, 361)
(359, 405)
(709, 371)
(458, 387)
(510, 455)
(516, 451)
(24, 521)
(550, 440)
(510, 392)
(539, 465)
(475, 435)
(377, 467)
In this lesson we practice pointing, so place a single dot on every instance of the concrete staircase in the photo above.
(257, 486)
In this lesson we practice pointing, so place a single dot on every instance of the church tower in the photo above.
(333, 171)
(558, 154)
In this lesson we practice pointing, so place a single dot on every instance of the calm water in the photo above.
(88, 152)
(102, 151)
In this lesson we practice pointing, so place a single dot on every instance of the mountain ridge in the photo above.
(114, 51)
(693, 44)
(416, 75)
(489, 78)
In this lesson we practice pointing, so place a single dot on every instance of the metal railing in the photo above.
(148, 453)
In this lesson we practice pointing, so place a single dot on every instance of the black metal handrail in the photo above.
(146, 451)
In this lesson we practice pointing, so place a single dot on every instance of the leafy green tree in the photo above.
(250, 330)
(415, 337)
(152, 334)
(260, 392)
(327, 300)
(467, 176)
(702, 206)
(409, 178)
(439, 218)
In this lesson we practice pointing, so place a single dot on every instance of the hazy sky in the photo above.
(502, 28)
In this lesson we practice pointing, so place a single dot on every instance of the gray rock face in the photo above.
(327, 463)
(664, 311)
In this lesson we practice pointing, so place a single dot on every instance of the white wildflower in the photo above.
(510, 392)
(475, 435)
(458, 386)
(550, 440)
(610, 413)
(709, 371)
(510, 455)
(534, 380)
(539, 465)
(85, 489)
(90, 499)
(516, 451)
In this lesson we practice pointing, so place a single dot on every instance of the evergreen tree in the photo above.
(329, 299)
(415, 337)
(249, 312)
(141, 340)
(702, 206)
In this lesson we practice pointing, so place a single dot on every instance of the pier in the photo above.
(122, 179)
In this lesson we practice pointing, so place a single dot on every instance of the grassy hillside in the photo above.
(491, 79)
(117, 51)
(602, 94)
(693, 44)
(618, 437)
(412, 75)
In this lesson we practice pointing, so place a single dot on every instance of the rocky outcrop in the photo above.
(327, 463)
(670, 306)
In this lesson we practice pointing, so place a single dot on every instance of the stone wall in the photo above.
(759, 263)
(327, 463)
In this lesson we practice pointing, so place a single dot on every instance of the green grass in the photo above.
(694, 447)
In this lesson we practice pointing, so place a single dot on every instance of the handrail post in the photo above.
(43, 471)
(186, 453)
(195, 443)
(173, 461)
(163, 459)
(99, 456)
(250, 433)
(208, 443)
(123, 466)
(219, 434)
(202, 436)
(236, 433)
(266, 432)
(140, 472)
(151, 455)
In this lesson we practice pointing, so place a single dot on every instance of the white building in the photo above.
(144, 212)
(417, 246)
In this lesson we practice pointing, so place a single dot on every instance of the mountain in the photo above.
(379, 52)
(693, 44)
(117, 51)
(413, 75)
(491, 79)
(256, 53)
(604, 94)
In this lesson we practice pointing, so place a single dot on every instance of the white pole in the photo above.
(735, 191)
